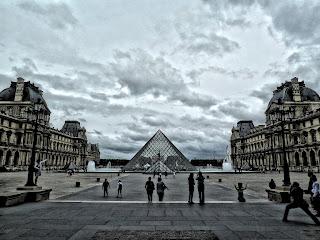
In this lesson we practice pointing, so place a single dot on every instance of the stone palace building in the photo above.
(23, 111)
(292, 128)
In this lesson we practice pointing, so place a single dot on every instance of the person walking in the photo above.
(298, 202)
(149, 186)
(160, 189)
(315, 197)
(105, 186)
(119, 189)
(191, 188)
(200, 180)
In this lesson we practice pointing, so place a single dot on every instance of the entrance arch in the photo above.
(313, 158)
(1, 156)
(16, 159)
(304, 159)
(8, 158)
(297, 159)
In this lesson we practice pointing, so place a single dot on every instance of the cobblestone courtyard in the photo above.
(86, 214)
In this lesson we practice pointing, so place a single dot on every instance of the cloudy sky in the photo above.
(126, 68)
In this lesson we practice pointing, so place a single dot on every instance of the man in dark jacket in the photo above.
(200, 180)
(149, 187)
(298, 202)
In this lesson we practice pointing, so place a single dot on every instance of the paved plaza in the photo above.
(88, 215)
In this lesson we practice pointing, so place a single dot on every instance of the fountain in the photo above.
(227, 164)
(91, 167)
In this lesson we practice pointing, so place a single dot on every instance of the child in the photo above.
(240, 190)
(119, 189)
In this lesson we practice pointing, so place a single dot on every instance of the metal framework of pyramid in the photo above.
(158, 167)
(159, 149)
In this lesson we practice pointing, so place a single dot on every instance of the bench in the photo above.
(11, 199)
(15, 198)
(278, 195)
(38, 195)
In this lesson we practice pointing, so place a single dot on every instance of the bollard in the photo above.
(220, 180)
(98, 179)
(77, 184)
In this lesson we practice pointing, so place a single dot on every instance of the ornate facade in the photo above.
(23, 112)
(292, 128)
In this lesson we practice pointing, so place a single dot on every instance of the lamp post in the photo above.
(286, 173)
(35, 112)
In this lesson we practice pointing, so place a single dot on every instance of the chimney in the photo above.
(296, 90)
(19, 90)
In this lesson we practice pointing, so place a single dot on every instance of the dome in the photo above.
(7, 94)
(284, 93)
(30, 93)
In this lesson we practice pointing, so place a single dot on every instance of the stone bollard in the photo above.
(220, 180)
(77, 184)
(98, 179)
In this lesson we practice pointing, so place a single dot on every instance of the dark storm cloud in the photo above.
(264, 93)
(297, 20)
(115, 145)
(56, 15)
(71, 82)
(230, 13)
(211, 44)
(99, 96)
(5, 81)
(30, 64)
(240, 111)
(144, 74)
(237, 74)
(155, 121)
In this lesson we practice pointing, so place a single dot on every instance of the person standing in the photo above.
(165, 174)
(149, 186)
(119, 189)
(160, 189)
(272, 184)
(105, 187)
(298, 202)
(191, 188)
(310, 175)
(200, 180)
(38, 169)
(240, 190)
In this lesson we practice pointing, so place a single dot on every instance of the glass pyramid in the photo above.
(159, 148)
